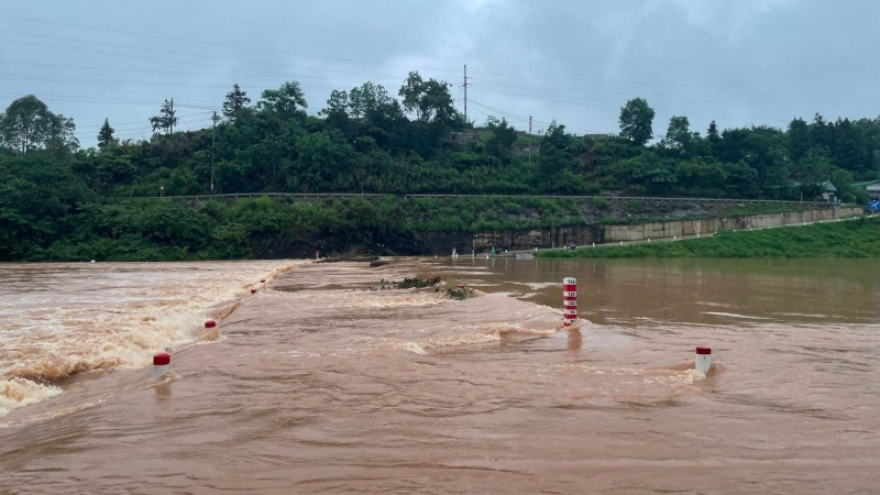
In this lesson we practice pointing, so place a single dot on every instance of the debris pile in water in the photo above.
(417, 283)
(460, 293)
(408, 283)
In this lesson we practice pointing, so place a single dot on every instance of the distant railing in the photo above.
(321, 196)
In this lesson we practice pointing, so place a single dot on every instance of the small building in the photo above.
(829, 191)
(873, 188)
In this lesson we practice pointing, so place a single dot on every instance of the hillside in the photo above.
(60, 202)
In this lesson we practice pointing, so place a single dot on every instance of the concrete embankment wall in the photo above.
(681, 228)
(435, 243)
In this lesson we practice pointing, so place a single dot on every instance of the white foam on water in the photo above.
(113, 316)
(736, 315)
(19, 392)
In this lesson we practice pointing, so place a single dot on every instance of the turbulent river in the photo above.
(321, 382)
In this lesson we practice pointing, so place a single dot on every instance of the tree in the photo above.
(636, 119)
(411, 92)
(367, 98)
(811, 172)
(701, 177)
(167, 118)
(500, 144)
(678, 135)
(235, 101)
(286, 101)
(63, 137)
(436, 103)
(105, 135)
(712, 134)
(337, 104)
(821, 133)
(556, 154)
(28, 125)
(798, 139)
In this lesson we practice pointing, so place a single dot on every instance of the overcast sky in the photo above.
(740, 62)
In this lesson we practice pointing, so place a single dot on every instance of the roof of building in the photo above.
(827, 185)
(866, 183)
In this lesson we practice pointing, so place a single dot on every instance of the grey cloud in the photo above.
(740, 62)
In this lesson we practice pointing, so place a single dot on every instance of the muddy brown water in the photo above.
(318, 384)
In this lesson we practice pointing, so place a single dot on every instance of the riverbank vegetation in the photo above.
(61, 202)
(846, 239)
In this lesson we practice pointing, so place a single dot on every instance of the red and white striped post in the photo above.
(569, 301)
(161, 365)
(703, 361)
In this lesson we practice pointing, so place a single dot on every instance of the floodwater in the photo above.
(319, 384)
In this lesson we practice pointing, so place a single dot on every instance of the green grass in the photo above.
(849, 239)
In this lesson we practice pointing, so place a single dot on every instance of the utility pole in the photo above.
(214, 119)
(530, 139)
(465, 92)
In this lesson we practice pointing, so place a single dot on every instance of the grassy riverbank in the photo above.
(849, 239)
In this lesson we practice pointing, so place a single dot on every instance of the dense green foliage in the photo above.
(61, 202)
(849, 239)
(365, 140)
(48, 213)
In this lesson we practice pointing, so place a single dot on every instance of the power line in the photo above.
(134, 122)
(677, 98)
(183, 54)
(86, 81)
(104, 100)
(449, 70)
(221, 45)
(192, 64)
(516, 118)
(89, 132)
(239, 77)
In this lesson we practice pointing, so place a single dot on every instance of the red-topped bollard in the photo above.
(703, 361)
(161, 365)
(210, 324)
(569, 301)
(263, 281)
(253, 291)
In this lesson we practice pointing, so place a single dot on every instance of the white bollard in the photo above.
(161, 365)
(703, 361)
(674, 238)
(569, 301)
(594, 244)
(621, 243)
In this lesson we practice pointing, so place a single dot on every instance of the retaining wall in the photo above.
(681, 228)
(441, 244)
